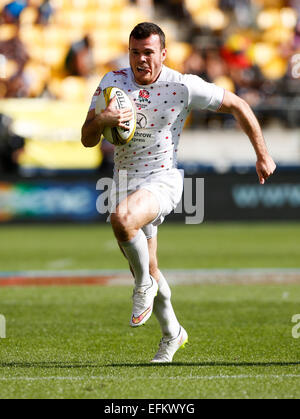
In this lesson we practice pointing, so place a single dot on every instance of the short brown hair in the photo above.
(146, 29)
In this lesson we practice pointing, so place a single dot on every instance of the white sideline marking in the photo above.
(175, 276)
(194, 377)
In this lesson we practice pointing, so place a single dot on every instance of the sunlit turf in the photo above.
(75, 342)
(240, 245)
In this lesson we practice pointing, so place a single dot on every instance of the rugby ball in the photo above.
(117, 135)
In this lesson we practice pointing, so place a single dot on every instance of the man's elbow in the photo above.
(84, 142)
(239, 106)
(234, 104)
(89, 142)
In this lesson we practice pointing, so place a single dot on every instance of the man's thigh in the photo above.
(140, 208)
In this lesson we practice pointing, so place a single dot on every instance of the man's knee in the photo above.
(119, 221)
(122, 224)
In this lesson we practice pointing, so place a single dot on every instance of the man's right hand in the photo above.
(95, 124)
(114, 117)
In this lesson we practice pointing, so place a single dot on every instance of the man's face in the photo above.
(146, 59)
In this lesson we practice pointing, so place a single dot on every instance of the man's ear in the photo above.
(164, 54)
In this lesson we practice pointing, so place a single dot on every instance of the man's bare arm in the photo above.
(91, 130)
(242, 112)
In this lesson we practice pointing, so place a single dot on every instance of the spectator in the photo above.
(215, 65)
(12, 11)
(45, 11)
(14, 50)
(296, 42)
(10, 146)
(79, 59)
(242, 10)
(195, 64)
(172, 8)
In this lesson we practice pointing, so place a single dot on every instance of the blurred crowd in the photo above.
(60, 48)
(250, 47)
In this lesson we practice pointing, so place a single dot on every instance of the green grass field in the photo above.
(75, 342)
(180, 247)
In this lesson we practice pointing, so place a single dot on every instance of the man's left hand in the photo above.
(265, 167)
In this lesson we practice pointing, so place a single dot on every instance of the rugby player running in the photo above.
(163, 99)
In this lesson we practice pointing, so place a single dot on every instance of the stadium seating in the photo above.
(264, 41)
(108, 22)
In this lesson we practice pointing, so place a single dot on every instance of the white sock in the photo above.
(137, 253)
(164, 311)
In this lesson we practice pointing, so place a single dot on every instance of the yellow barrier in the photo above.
(52, 130)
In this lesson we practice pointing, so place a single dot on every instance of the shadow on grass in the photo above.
(62, 365)
(209, 364)
(48, 364)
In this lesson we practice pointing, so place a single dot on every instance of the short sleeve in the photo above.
(203, 95)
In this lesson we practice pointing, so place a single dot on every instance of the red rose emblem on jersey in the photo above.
(98, 92)
(144, 94)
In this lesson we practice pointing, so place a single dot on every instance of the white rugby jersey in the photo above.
(162, 109)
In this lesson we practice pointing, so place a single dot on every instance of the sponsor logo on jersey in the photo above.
(141, 120)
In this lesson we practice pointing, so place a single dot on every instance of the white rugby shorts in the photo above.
(166, 186)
